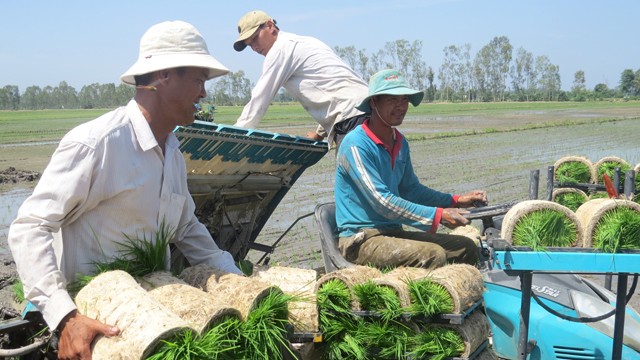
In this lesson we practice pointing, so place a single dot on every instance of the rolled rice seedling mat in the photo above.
(301, 284)
(594, 212)
(433, 342)
(569, 197)
(607, 165)
(574, 169)
(115, 298)
(474, 332)
(350, 276)
(521, 210)
(469, 231)
(463, 282)
(241, 292)
(337, 322)
(198, 308)
(383, 297)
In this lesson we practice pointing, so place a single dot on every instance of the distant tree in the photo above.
(549, 82)
(523, 74)
(601, 91)
(627, 82)
(579, 88)
(491, 67)
(10, 97)
(430, 92)
(349, 54)
(32, 99)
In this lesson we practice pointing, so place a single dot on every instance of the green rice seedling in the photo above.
(573, 172)
(337, 322)
(182, 346)
(436, 343)
(543, 228)
(428, 298)
(18, 291)
(618, 229)
(385, 339)
(264, 333)
(378, 298)
(138, 257)
(571, 200)
(609, 168)
(144, 255)
(222, 341)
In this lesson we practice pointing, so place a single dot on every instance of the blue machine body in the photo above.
(555, 338)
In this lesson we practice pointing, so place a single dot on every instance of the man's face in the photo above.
(391, 108)
(262, 40)
(184, 90)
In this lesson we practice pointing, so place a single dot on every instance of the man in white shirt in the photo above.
(119, 175)
(324, 84)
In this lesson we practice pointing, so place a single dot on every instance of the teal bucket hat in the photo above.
(389, 82)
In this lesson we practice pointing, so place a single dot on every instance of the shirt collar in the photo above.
(398, 135)
(144, 135)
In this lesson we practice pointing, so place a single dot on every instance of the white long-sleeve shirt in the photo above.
(108, 178)
(324, 84)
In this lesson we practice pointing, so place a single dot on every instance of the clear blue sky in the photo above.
(84, 42)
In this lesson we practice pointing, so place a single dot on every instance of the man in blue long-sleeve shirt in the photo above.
(377, 191)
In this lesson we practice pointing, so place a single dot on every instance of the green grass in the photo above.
(51, 125)
(379, 298)
(429, 298)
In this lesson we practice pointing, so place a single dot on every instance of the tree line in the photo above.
(494, 73)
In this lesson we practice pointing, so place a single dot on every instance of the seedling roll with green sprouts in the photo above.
(569, 197)
(610, 225)
(607, 165)
(540, 224)
(573, 170)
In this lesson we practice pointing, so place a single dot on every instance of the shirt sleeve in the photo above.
(197, 245)
(366, 175)
(276, 70)
(61, 190)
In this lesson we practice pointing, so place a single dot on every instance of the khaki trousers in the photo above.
(393, 248)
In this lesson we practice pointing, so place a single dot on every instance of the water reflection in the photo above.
(10, 203)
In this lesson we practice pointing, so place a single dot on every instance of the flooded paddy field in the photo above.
(494, 151)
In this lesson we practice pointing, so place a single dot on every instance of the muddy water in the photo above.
(9, 204)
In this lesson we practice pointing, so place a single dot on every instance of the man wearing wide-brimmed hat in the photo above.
(324, 84)
(119, 176)
(377, 193)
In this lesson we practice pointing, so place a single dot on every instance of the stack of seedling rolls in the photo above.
(367, 314)
(540, 224)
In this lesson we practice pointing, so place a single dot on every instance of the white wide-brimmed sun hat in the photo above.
(173, 44)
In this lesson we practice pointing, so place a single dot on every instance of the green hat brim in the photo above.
(415, 97)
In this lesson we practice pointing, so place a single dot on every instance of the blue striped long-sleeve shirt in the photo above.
(376, 187)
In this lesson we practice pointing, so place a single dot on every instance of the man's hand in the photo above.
(315, 136)
(452, 217)
(473, 198)
(77, 333)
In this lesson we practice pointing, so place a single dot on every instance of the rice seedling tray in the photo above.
(472, 356)
(454, 319)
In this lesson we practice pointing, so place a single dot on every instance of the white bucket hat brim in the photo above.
(173, 44)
